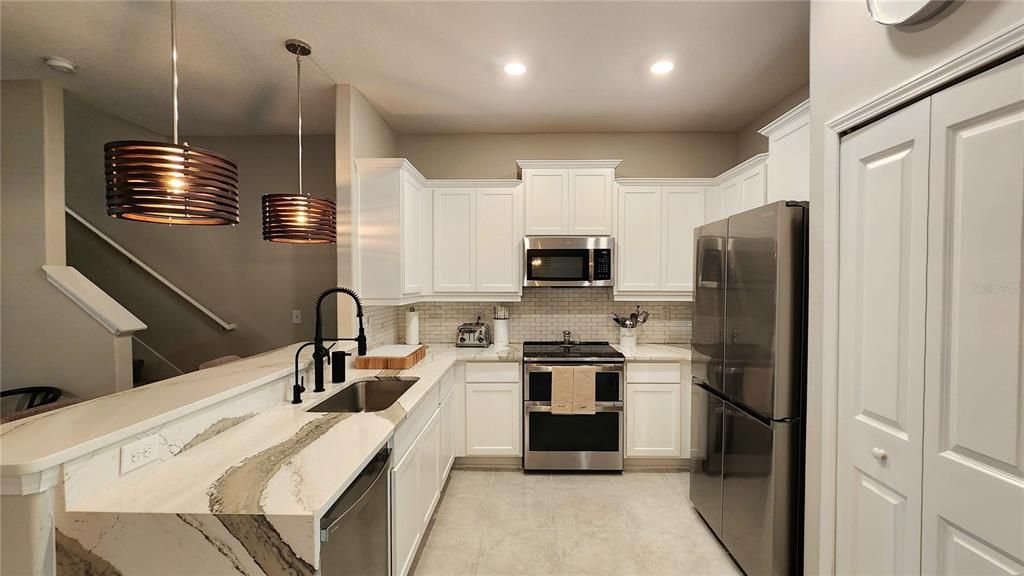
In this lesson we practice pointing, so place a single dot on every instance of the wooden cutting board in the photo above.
(394, 357)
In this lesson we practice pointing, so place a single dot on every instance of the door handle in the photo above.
(879, 454)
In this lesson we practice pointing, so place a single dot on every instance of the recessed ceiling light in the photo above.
(662, 67)
(515, 68)
(61, 64)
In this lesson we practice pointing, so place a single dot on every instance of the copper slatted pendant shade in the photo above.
(299, 218)
(170, 183)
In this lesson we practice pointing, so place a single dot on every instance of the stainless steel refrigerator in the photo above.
(749, 378)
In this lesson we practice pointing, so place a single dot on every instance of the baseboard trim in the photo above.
(656, 464)
(488, 463)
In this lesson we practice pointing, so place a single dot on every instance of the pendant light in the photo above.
(299, 218)
(170, 183)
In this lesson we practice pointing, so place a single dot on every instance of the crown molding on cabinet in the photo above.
(384, 163)
(568, 163)
(665, 181)
(796, 113)
(741, 167)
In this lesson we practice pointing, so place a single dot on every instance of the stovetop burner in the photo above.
(579, 351)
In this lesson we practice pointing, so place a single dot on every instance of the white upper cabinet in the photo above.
(570, 197)
(789, 143)
(654, 236)
(391, 247)
(739, 189)
(478, 240)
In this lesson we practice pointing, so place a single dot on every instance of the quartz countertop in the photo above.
(655, 352)
(284, 461)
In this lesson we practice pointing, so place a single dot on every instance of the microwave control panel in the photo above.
(602, 264)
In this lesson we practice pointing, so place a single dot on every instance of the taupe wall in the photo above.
(229, 269)
(749, 142)
(668, 154)
(854, 59)
(47, 340)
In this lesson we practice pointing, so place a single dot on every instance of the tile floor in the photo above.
(497, 523)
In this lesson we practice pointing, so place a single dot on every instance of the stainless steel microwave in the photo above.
(569, 261)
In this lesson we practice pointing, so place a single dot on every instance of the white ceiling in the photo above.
(428, 67)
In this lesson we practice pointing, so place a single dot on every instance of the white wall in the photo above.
(47, 340)
(854, 59)
(643, 154)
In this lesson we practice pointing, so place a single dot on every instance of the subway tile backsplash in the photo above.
(542, 314)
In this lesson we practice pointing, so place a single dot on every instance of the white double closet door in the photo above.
(931, 335)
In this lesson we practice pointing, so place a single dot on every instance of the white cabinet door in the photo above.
(654, 420)
(447, 442)
(454, 240)
(412, 253)
(732, 197)
(590, 201)
(882, 256)
(682, 211)
(547, 201)
(405, 511)
(639, 238)
(789, 161)
(714, 204)
(499, 240)
(752, 188)
(974, 409)
(493, 419)
(429, 476)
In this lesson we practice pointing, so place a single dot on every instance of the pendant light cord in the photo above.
(174, 69)
(298, 84)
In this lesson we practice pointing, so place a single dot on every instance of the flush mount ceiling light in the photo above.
(515, 68)
(662, 67)
(299, 218)
(59, 64)
(170, 183)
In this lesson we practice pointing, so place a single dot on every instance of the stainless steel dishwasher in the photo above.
(354, 533)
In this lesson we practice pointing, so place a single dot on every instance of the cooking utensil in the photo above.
(643, 317)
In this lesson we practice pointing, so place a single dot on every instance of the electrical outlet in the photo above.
(138, 453)
(296, 316)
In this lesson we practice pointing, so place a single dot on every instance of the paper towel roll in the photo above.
(412, 327)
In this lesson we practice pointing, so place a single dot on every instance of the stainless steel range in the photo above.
(574, 441)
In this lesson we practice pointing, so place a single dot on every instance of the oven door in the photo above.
(573, 442)
(607, 380)
(558, 267)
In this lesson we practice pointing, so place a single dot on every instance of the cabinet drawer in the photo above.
(492, 372)
(653, 372)
(414, 422)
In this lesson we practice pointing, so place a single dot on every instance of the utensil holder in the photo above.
(627, 337)
(500, 332)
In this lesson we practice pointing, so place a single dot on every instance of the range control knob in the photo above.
(462, 338)
(480, 339)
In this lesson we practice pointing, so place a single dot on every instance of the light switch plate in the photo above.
(138, 453)
(296, 316)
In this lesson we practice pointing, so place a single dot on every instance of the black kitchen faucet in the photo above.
(319, 351)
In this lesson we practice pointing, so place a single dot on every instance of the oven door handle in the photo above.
(603, 368)
(599, 407)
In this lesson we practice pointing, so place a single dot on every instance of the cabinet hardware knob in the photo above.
(879, 454)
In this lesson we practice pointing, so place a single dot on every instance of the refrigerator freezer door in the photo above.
(706, 457)
(708, 345)
(760, 515)
(764, 302)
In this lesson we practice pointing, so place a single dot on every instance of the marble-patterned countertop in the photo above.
(655, 352)
(284, 461)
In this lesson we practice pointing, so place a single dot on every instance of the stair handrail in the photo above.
(170, 285)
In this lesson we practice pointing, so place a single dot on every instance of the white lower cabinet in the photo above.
(657, 410)
(405, 526)
(493, 419)
(447, 446)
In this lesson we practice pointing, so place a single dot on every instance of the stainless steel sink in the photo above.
(371, 394)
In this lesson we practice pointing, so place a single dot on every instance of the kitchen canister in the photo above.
(627, 337)
(412, 326)
(501, 332)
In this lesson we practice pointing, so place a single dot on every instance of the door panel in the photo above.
(493, 424)
(412, 252)
(683, 211)
(708, 342)
(547, 201)
(973, 519)
(590, 201)
(653, 420)
(639, 239)
(499, 240)
(708, 413)
(454, 240)
(753, 188)
(882, 258)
